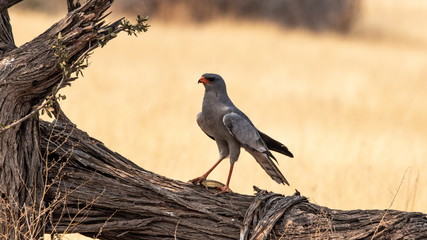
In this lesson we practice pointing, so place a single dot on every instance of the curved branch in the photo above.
(138, 204)
(5, 4)
(7, 42)
(28, 75)
(33, 69)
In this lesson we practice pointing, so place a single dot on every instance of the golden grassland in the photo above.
(352, 108)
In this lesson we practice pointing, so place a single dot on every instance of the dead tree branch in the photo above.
(5, 4)
(143, 205)
(28, 76)
(7, 42)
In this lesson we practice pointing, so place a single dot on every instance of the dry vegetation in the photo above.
(352, 109)
(317, 15)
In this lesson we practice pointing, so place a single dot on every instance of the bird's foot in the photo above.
(198, 180)
(224, 189)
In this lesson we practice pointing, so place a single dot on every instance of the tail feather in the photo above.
(268, 165)
(274, 145)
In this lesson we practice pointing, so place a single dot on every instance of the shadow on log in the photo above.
(107, 196)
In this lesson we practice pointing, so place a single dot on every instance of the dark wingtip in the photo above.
(283, 150)
(275, 145)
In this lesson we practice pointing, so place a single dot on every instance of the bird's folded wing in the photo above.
(251, 140)
(244, 131)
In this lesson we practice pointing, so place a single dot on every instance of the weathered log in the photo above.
(100, 193)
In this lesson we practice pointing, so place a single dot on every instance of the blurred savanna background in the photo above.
(343, 86)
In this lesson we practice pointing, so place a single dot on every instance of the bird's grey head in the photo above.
(213, 82)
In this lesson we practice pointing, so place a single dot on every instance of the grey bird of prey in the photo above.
(231, 129)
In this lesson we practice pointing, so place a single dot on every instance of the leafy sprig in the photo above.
(78, 65)
(140, 26)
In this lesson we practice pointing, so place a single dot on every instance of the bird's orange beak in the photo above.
(203, 80)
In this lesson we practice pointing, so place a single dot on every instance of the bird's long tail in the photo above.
(268, 165)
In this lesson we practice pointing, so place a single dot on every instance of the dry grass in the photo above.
(352, 109)
(30, 220)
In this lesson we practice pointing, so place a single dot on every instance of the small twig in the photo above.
(57, 88)
(74, 222)
(105, 223)
(391, 204)
(176, 229)
(2, 129)
(122, 25)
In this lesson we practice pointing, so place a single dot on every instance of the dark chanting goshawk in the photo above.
(231, 129)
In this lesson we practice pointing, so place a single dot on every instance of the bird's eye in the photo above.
(211, 79)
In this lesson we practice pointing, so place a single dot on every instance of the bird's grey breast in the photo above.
(212, 114)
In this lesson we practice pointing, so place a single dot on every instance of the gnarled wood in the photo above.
(5, 4)
(128, 202)
(7, 42)
(29, 74)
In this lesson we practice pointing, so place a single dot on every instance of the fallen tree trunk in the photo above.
(99, 193)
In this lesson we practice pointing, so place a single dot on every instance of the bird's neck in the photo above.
(218, 97)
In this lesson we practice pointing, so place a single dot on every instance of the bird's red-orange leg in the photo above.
(226, 188)
(204, 176)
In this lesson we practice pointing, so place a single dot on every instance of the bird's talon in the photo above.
(198, 180)
(224, 189)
